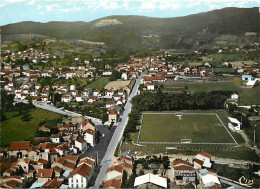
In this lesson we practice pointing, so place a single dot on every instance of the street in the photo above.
(116, 136)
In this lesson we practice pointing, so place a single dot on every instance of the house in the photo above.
(112, 115)
(109, 104)
(183, 171)
(79, 98)
(251, 83)
(96, 92)
(92, 99)
(55, 138)
(85, 93)
(247, 77)
(54, 183)
(124, 76)
(24, 163)
(72, 87)
(114, 172)
(18, 149)
(45, 175)
(90, 136)
(79, 177)
(150, 86)
(208, 179)
(88, 160)
(234, 124)
(87, 124)
(234, 96)
(65, 98)
(151, 180)
(205, 157)
(81, 144)
(112, 184)
(109, 93)
(225, 64)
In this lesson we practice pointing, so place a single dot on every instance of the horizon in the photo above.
(87, 10)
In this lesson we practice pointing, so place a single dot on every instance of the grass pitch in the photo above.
(170, 128)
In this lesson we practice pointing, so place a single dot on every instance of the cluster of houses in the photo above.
(198, 172)
(52, 162)
(114, 174)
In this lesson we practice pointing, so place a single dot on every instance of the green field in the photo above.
(169, 128)
(14, 129)
(99, 84)
(247, 96)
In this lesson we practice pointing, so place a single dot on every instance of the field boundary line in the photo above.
(227, 129)
(140, 128)
(193, 143)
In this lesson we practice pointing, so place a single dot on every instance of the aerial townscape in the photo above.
(132, 102)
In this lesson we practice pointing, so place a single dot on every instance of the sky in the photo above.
(12, 11)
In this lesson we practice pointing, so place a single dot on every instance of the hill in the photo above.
(132, 32)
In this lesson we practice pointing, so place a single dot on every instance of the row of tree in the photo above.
(159, 101)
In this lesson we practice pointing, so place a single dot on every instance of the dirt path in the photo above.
(247, 144)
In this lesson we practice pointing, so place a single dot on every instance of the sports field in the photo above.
(173, 128)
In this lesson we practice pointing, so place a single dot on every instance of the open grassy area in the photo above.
(14, 129)
(247, 96)
(99, 84)
(169, 128)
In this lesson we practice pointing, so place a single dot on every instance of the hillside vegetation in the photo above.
(179, 32)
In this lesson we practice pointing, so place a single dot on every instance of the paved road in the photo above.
(51, 108)
(116, 136)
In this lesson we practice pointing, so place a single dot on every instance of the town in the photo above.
(68, 154)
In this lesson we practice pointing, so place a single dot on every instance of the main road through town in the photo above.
(116, 136)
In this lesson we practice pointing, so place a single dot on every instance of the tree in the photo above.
(155, 171)
(6, 101)
(141, 172)
(26, 116)
(166, 162)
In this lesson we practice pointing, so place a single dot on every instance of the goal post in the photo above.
(186, 141)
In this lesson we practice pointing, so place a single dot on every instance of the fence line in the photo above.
(192, 143)
(178, 113)
(140, 128)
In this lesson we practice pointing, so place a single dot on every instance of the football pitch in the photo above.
(180, 128)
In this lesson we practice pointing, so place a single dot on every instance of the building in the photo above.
(79, 177)
(112, 184)
(183, 171)
(234, 124)
(90, 136)
(154, 181)
(150, 86)
(205, 157)
(112, 115)
(18, 149)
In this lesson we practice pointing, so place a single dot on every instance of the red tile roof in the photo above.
(180, 161)
(204, 154)
(73, 158)
(198, 161)
(183, 167)
(112, 183)
(21, 145)
(52, 184)
(118, 168)
(44, 173)
(90, 131)
(82, 170)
